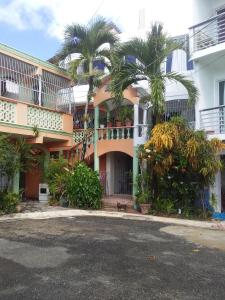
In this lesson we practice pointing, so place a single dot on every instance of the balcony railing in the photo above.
(27, 115)
(112, 133)
(208, 33)
(212, 120)
(115, 133)
(80, 135)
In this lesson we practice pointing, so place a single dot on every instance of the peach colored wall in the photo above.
(125, 146)
(67, 123)
(32, 180)
(102, 95)
(21, 113)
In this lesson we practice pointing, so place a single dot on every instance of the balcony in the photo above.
(212, 120)
(19, 118)
(208, 37)
(34, 84)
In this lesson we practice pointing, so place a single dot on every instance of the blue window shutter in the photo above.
(190, 65)
(130, 59)
(99, 64)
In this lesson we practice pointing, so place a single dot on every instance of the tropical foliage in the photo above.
(180, 163)
(150, 54)
(15, 157)
(8, 202)
(89, 43)
(83, 187)
(56, 176)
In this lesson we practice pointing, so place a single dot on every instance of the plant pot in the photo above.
(109, 124)
(145, 207)
(128, 123)
(102, 126)
(19, 208)
(118, 123)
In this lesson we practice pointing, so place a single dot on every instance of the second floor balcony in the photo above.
(24, 80)
(208, 36)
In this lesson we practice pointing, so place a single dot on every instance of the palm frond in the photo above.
(189, 85)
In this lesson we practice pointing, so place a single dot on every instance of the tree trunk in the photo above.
(89, 96)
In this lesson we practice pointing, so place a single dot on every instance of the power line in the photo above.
(96, 11)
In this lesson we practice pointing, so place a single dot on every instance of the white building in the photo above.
(207, 44)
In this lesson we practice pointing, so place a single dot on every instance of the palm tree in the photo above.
(149, 54)
(88, 42)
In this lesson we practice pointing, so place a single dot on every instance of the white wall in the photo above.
(174, 90)
(208, 72)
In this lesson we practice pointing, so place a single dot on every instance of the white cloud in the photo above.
(52, 16)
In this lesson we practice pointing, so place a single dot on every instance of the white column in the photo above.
(145, 129)
(216, 189)
(145, 116)
(39, 74)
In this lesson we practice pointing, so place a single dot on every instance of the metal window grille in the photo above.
(21, 81)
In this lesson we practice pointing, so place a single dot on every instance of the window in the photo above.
(222, 92)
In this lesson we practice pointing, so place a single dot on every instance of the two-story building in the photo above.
(35, 103)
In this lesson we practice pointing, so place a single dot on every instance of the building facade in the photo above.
(207, 46)
(35, 104)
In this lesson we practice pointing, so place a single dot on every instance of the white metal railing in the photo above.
(208, 33)
(26, 83)
(212, 120)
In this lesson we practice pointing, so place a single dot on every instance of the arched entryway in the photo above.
(116, 173)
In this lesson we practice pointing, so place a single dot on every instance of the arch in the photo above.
(106, 146)
(102, 94)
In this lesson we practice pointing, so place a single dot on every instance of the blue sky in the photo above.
(34, 42)
(36, 26)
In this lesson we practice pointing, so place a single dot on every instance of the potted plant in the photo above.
(125, 115)
(110, 121)
(143, 201)
(118, 117)
(129, 112)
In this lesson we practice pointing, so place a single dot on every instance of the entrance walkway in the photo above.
(109, 203)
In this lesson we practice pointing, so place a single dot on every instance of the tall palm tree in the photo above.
(150, 53)
(88, 42)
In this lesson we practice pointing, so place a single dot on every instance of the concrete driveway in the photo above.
(106, 258)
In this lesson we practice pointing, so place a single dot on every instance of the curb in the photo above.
(78, 213)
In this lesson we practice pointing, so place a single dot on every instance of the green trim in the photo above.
(40, 129)
(135, 170)
(33, 59)
(96, 158)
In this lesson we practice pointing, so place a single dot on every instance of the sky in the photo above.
(36, 26)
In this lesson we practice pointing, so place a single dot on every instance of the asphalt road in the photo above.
(103, 258)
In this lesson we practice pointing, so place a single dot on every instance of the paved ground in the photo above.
(106, 258)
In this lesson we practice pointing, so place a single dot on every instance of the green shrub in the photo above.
(163, 206)
(83, 188)
(8, 202)
(56, 176)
